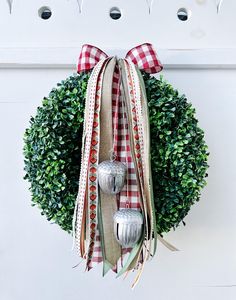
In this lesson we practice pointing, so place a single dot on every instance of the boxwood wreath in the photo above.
(52, 151)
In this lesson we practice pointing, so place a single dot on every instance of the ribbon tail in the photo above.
(130, 100)
(134, 254)
(106, 265)
(96, 142)
(143, 125)
(144, 143)
(167, 244)
(112, 250)
(152, 206)
(148, 162)
(80, 207)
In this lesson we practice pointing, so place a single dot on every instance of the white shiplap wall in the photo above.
(200, 59)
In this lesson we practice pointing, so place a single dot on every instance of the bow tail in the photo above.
(111, 250)
(140, 147)
(147, 165)
(86, 202)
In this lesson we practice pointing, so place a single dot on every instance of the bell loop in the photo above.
(112, 155)
(127, 205)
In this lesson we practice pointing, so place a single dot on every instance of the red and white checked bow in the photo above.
(144, 56)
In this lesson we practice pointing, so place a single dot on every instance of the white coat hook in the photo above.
(10, 2)
(218, 6)
(80, 4)
(149, 3)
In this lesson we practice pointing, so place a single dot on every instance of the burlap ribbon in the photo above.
(108, 204)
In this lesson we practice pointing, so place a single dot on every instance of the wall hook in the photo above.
(149, 3)
(10, 2)
(80, 4)
(218, 7)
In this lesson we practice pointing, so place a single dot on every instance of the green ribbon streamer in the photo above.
(131, 257)
(143, 89)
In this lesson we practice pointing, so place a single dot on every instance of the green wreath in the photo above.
(52, 152)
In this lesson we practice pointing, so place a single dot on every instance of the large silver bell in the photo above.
(111, 176)
(128, 227)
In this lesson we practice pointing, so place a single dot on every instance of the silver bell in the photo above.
(128, 227)
(111, 176)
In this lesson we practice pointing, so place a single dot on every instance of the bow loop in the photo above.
(143, 56)
(89, 57)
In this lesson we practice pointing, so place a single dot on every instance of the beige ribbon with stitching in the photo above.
(112, 250)
(129, 114)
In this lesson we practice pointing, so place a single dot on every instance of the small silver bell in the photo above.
(111, 176)
(128, 227)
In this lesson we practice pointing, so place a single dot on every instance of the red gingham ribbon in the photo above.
(144, 56)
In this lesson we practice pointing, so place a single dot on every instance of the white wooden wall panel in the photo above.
(199, 55)
(67, 28)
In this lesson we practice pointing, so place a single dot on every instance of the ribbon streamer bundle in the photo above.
(114, 212)
(114, 216)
